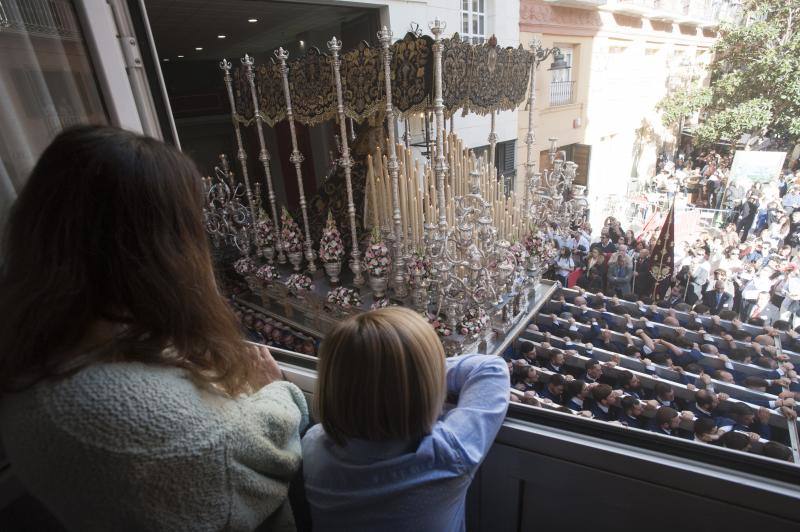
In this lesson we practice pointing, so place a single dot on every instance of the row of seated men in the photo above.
(756, 360)
(671, 312)
(544, 376)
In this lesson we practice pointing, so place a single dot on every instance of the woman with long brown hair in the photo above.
(130, 400)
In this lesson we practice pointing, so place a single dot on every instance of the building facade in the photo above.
(625, 56)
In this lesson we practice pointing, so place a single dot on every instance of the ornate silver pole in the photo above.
(225, 66)
(263, 156)
(334, 45)
(296, 158)
(530, 139)
(437, 27)
(385, 38)
(492, 143)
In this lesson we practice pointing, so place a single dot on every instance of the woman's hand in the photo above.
(270, 372)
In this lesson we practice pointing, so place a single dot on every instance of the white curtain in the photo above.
(46, 84)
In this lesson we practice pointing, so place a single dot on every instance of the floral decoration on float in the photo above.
(344, 298)
(265, 236)
(331, 249)
(244, 266)
(377, 260)
(292, 239)
(299, 283)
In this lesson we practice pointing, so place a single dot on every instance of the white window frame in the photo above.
(99, 28)
(473, 20)
(558, 76)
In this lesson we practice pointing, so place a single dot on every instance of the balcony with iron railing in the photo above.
(42, 18)
(562, 93)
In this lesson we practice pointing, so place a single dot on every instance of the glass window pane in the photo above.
(475, 25)
(49, 84)
(480, 22)
(464, 23)
(474, 5)
(481, 6)
(465, 5)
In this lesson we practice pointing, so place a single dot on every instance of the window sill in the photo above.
(558, 108)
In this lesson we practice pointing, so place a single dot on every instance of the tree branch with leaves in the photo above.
(755, 79)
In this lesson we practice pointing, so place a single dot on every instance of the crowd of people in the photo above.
(575, 359)
(703, 177)
(727, 318)
(748, 268)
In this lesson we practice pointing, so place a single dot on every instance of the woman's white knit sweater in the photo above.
(130, 446)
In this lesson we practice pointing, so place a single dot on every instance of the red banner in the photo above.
(662, 259)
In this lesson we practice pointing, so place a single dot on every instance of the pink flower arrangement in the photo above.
(520, 253)
(331, 247)
(376, 258)
(299, 282)
(344, 297)
(538, 247)
(439, 325)
(267, 273)
(475, 320)
(244, 266)
(418, 266)
(265, 231)
(381, 302)
(291, 236)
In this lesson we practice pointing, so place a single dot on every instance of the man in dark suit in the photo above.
(666, 421)
(605, 245)
(718, 299)
(632, 410)
(706, 406)
(603, 403)
(643, 280)
(630, 385)
(665, 396)
(674, 297)
(594, 373)
(554, 389)
(746, 420)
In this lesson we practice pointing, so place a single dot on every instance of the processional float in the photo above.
(445, 237)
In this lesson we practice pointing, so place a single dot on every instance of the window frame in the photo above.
(473, 14)
(563, 76)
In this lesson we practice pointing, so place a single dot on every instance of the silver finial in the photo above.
(334, 45)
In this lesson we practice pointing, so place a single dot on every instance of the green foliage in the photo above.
(755, 78)
(681, 104)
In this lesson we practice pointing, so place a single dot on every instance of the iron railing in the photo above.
(47, 18)
(562, 93)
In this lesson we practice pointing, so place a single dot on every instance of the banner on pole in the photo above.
(662, 260)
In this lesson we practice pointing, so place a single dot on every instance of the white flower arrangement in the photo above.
(291, 237)
(377, 258)
(344, 297)
(267, 273)
(331, 247)
(299, 282)
(265, 231)
(244, 266)
(475, 320)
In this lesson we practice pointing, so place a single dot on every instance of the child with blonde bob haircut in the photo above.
(385, 456)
